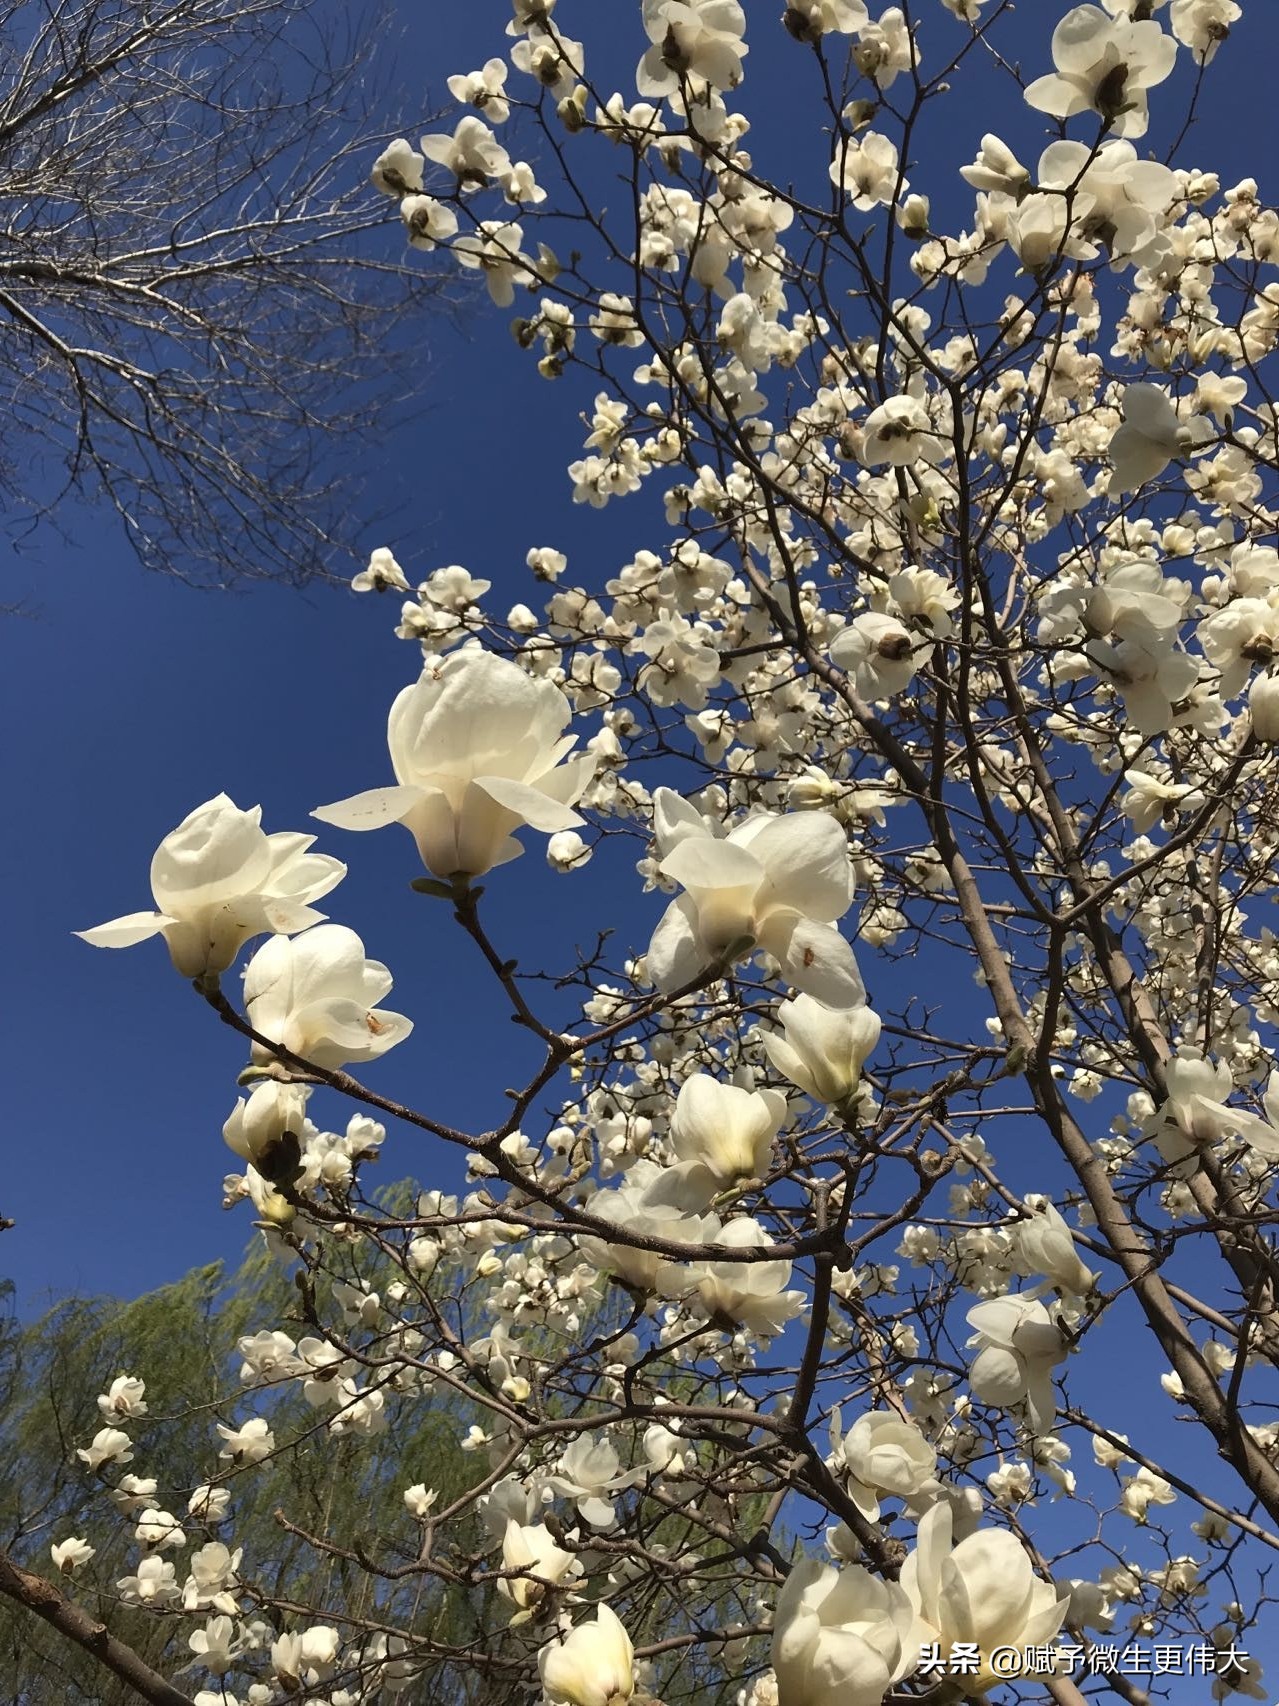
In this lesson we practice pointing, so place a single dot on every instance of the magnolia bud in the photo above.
(912, 216)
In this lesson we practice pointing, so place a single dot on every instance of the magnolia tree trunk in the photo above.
(871, 1291)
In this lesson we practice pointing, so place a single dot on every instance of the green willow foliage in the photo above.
(181, 1340)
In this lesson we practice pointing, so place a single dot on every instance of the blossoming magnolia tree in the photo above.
(943, 663)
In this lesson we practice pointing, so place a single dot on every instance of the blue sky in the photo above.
(129, 699)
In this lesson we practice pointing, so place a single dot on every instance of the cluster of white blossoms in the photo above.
(939, 699)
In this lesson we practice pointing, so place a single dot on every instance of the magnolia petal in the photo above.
(805, 857)
(1056, 96)
(700, 863)
(673, 820)
(816, 959)
(372, 809)
(997, 1378)
(124, 932)
(531, 805)
(1076, 38)
(674, 954)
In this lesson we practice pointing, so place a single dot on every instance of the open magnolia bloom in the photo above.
(878, 651)
(589, 1473)
(822, 1049)
(591, 1666)
(1260, 1134)
(1118, 197)
(477, 748)
(1018, 1345)
(885, 1455)
(726, 1129)
(658, 1202)
(749, 1294)
(982, 1591)
(774, 882)
(1152, 435)
(1104, 64)
(841, 1637)
(1195, 1112)
(219, 879)
(698, 37)
(317, 996)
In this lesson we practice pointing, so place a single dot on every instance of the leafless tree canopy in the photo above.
(193, 323)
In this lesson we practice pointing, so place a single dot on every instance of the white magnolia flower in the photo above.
(1018, 1346)
(878, 652)
(748, 1294)
(1202, 25)
(70, 1554)
(1195, 1112)
(473, 154)
(273, 1112)
(589, 1472)
(155, 1583)
(1117, 196)
(698, 38)
(884, 49)
(218, 879)
(213, 1582)
(774, 882)
(1043, 1245)
(1260, 1134)
(126, 1396)
(591, 1666)
(900, 432)
(1152, 436)
(1142, 1490)
(657, 1202)
(822, 1049)
(542, 1564)
(158, 1530)
(383, 571)
(108, 1445)
(1235, 639)
(317, 996)
(841, 1637)
(1104, 64)
(809, 20)
(1150, 801)
(1263, 708)
(478, 749)
(996, 170)
(885, 1455)
(566, 851)
(867, 170)
(398, 168)
(133, 1493)
(426, 223)
(982, 1591)
(208, 1503)
(726, 1129)
(249, 1443)
(485, 89)
(493, 248)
